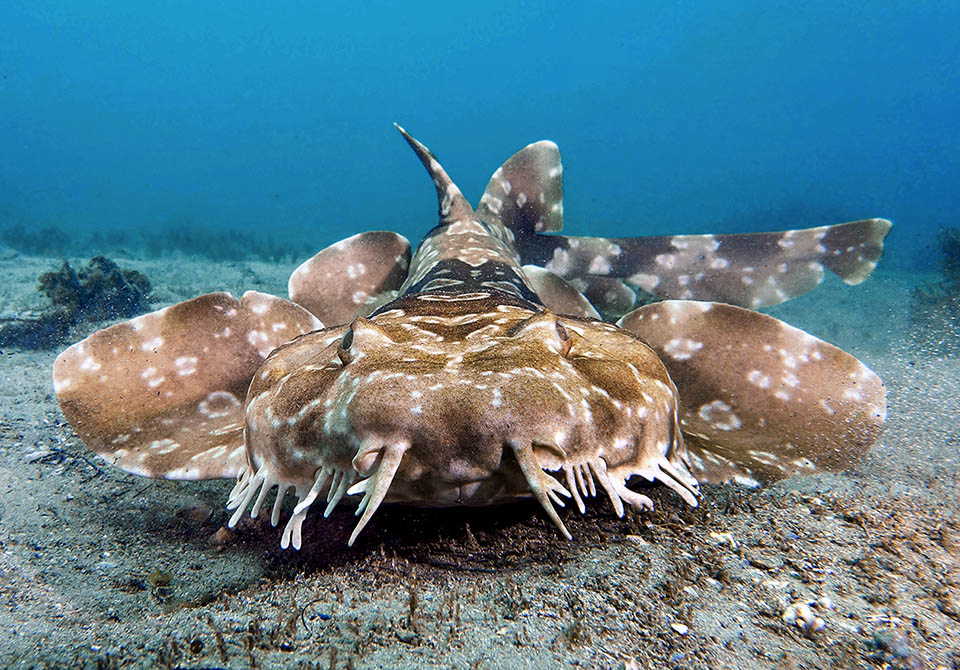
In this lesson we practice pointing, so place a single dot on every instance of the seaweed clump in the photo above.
(949, 241)
(97, 292)
(935, 313)
(174, 238)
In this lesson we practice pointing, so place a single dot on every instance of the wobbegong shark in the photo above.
(479, 371)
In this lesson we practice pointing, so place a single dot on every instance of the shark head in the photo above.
(446, 399)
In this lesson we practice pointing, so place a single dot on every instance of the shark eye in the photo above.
(344, 350)
(566, 339)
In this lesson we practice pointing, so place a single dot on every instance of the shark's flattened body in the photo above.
(477, 371)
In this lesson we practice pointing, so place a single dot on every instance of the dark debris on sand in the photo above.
(97, 292)
(496, 587)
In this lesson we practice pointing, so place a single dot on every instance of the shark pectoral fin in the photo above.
(611, 297)
(760, 400)
(750, 270)
(526, 192)
(351, 278)
(557, 294)
(162, 395)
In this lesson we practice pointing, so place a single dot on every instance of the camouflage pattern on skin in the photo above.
(162, 394)
(749, 270)
(458, 376)
(762, 406)
(352, 277)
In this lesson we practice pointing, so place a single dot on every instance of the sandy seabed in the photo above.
(101, 569)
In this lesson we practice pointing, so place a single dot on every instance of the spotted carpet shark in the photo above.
(479, 370)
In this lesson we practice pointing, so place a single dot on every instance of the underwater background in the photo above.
(158, 127)
(153, 152)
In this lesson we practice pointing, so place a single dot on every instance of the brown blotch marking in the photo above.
(749, 270)
(761, 393)
(106, 393)
(526, 192)
(352, 277)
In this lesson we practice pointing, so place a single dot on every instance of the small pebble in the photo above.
(196, 514)
(896, 645)
(763, 561)
(800, 615)
(949, 605)
(680, 629)
(723, 538)
(221, 538)
(160, 577)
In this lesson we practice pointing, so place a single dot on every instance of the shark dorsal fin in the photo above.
(452, 205)
(526, 192)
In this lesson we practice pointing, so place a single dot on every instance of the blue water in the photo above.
(672, 117)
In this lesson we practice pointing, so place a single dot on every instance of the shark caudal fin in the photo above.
(162, 395)
(759, 399)
(750, 270)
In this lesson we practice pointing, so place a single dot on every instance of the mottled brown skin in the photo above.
(461, 376)
(138, 391)
(780, 400)
(751, 269)
(352, 277)
(574, 391)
